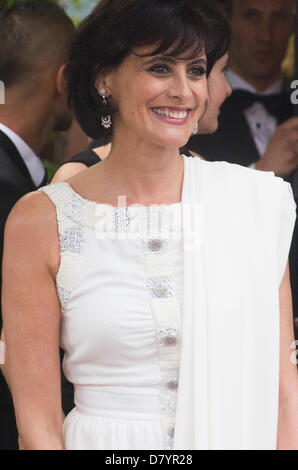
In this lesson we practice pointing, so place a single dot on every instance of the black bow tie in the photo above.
(273, 103)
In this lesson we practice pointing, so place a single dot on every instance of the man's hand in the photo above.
(281, 156)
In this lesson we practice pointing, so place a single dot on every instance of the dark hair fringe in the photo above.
(116, 27)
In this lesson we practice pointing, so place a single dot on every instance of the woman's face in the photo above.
(158, 98)
(219, 90)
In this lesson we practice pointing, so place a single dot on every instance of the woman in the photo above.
(165, 281)
(219, 90)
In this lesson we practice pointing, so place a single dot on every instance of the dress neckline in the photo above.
(104, 205)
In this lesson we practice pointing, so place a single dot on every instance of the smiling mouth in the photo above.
(172, 113)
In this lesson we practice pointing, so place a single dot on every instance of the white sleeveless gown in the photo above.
(148, 337)
(121, 305)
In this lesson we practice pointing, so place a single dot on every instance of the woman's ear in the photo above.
(61, 82)
(101, 83)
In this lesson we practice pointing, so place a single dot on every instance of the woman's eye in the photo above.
(198, 71)
(159, 69)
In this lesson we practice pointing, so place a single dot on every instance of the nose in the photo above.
(180, 87)
(265, 31)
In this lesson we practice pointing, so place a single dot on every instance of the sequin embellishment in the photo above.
(72, 240)
(120, 219)
(161, 287)
(70, 209)
(165, 308)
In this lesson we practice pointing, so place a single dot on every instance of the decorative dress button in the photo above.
(161, 291)
(155, 244)
(170, 341)
(169, 336)
(161, 287)
(172, 385)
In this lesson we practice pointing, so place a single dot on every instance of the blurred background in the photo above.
(64, 145)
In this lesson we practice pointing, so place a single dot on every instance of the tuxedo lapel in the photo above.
(233, 141)
(10, 149)
(236, 128)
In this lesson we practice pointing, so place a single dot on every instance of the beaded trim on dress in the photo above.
(70, 211)
(165, 308)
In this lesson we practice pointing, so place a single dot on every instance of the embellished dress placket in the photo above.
(162, 225)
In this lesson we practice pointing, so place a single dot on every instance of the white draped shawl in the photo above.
(235, 254)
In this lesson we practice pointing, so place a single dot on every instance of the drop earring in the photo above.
(106, 121)
(195, 129)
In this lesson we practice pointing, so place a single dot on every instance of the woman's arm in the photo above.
(288, 386)
(31, 319)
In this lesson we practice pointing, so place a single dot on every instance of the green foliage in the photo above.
(51, 169)
(78, 8)
(5, 4)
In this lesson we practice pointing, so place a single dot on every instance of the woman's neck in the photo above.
(145, 174)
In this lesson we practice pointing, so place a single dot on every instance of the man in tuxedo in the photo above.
(256, 125)
(35, 38)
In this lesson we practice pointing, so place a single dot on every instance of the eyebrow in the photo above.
(172, 60)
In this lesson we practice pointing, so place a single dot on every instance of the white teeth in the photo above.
(170, 114)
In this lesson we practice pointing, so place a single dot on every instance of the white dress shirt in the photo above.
(261, 123)
(31, 160)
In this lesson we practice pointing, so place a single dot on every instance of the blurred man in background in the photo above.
(257, 127)
(35, 38)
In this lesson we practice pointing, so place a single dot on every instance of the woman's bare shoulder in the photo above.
(32, 225)
(32, 208)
